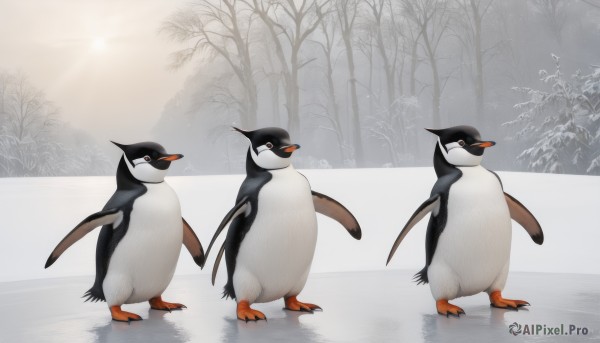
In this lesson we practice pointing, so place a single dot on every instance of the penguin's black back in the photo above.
(441, 166)
(128, 190)
(447, 175)
(256, 178)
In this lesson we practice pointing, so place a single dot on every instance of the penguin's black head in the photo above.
(461, 145)
(147, 161)
(270, 147)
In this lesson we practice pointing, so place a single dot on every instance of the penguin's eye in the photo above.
(269, 145)
(147, 158)
(461, 142)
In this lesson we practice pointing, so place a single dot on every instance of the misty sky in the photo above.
(102, 62)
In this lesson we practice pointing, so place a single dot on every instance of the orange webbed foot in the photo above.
(293, 304)
(123, 316)
(244, 312)
(158, 304)
(446, 309)
(496, 300)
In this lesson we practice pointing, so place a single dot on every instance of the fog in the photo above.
(355, 82)
(101, 63)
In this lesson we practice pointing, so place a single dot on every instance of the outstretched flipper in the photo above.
(106, 217)
(193, 245)
(334, 210)
(431, 204)
(238, 209)
(520, 214)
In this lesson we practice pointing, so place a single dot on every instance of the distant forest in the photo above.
(355, 82)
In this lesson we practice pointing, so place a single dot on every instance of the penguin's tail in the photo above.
(93, 295)
(228, 291)
(421, 277)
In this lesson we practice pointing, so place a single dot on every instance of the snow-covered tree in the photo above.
(589, 106)
(390, 127)
(34, 142)
(561, 124)
(27, 119)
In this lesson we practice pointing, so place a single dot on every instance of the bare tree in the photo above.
(471, 14)
(223, 29)
(411, 35)
(5, 79)
(289, 22)
(29, 113)
(347, 12)
(328, 30)
(273, 75)
(25, 147)
(432, 18)
(554, 15)
(593, 3)
(388, 48)
(384, 24)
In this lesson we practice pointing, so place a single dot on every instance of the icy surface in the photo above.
(379, 306)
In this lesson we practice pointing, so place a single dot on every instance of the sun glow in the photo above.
(98, 44)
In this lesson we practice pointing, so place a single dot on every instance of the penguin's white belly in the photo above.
(474, 248)
(278, 249)
(146, 257)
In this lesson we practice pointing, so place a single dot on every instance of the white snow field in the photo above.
(363, 300)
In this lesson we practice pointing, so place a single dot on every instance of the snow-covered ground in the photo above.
(38, 212)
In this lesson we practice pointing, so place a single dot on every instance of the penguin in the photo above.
(141, 237)
(468, 238)
(271, 241)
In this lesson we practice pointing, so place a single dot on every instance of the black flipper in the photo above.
(334, 210)
(238, 209)
(520, 214)
(217, 262)
(431, 204)
(193, 245)
(106, 217)
(234, 217)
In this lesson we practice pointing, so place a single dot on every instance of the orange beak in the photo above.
(171, 157)
(486, 144)
(291, 148)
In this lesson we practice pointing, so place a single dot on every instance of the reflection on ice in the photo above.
(280, 329)
(381, 306)
(155, 327)
(480, 321)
